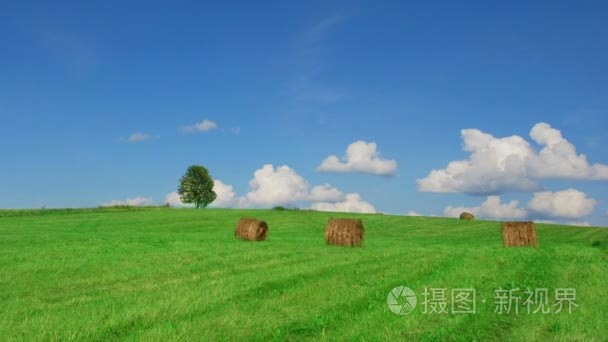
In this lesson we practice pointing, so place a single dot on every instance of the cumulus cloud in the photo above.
(413, 213)
(360, 157)
(570, 204)
(569, 223)
(578, 223)
(558, 157)
(141, 137)
(226, 197)
(325, 193)
(491, 208)
(203, 126)
(353, 203)
(497, 165)
(272, 186)
(174, 200)
(281, 185)
(133, 202)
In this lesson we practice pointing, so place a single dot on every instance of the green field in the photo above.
(179, 274)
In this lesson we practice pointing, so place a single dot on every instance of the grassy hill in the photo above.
(176, 274)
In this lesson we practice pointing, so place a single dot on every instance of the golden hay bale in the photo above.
(344, 232)
(515, 234)
(251, 229)
(467, 216)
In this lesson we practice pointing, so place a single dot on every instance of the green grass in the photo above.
(179, 274)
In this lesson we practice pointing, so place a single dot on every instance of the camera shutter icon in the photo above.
(401, 300)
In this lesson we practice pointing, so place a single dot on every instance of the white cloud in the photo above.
(203, 126)
(282, 185)
(322, 29)
(141, 137)
(413, 213)
(306, 83)
(133, 202)
(558, 158)
(568, 203)
(491, 208)
(325, 193)
(496, 165)
(360, 157)
(226, 198)
(271, 187)
(578, 223)
(353, 203)
(174, 200)
(206, 125)
(569, 223)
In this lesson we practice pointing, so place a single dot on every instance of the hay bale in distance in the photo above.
(344, 232)
(518, 234)
(251, 229)
(467, 216)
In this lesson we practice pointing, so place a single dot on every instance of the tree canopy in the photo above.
(196, 186)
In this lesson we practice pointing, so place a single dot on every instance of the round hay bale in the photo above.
(519, 234)
(251, 229)
(344, 232)
(467, 216)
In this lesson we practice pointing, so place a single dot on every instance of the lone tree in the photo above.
(196, 186)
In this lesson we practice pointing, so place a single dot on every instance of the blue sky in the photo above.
(291, 83)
